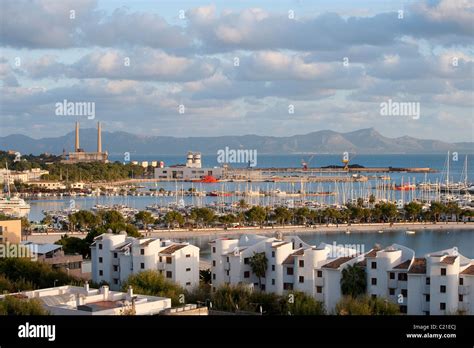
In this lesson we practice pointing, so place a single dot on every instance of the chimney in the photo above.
(99, 138)
(105, 292)
(76, 148)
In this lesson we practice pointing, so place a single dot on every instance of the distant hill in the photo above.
(363, 141)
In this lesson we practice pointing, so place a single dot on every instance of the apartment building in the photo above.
(438, 283)
(117, 256)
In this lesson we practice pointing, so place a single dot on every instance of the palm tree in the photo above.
(353, 281)
(259, 264)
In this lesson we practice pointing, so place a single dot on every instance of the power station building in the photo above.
(79, 155)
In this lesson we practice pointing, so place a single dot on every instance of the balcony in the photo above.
(226, 266)
(319, 281)
(464, 289)
(393, 283)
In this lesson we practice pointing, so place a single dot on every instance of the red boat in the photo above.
(405, 187)
(209, 179)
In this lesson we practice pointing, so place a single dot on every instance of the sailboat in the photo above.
(12, 205)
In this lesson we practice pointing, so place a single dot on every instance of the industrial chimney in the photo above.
(99, 138)
(76, 147)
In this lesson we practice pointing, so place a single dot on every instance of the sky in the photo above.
(199, 68)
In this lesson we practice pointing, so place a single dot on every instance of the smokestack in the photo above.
(99, 138)
(77, 137)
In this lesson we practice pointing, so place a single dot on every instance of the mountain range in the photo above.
(363, 141)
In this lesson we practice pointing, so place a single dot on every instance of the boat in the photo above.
(348, 232)
(380, 231)
(410, 232)
(405, 187)
(208, 179)
(12, 205)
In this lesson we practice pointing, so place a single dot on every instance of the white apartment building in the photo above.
(116, 256)
(439, 283)
(75, 300)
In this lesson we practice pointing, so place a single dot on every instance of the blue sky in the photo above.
(333, 64)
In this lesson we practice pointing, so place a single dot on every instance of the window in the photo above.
(373, 265)
(427, 298)
(442, 289)
(301, 263)
(246, 274)
(246, 261)
(100, 246)
(374, 296)
(289, 271)
(443, 271)
(188, 256)
(262, 287)
(461, 298)
(213, 276)
(319, 289)
(188, 283)
(160, 271)
(273, 267)
(403, 309)
(405, 293)
(169, 274)
(301, 279)
(142, 265)
(213, 263)
(391, 291)
(320, 274)
(115, 268)
(442, 306)
(188, 269)
(287, 286)
(227, 259)
(402, 277)
(428, 280)
(115, 281)
(213, 249)
(227, 272)
(101, 273)
(161, 259)
(273, 253)
(142, 251)
(168, 260)
(115, 255)
(374, 281)
(100, 260)
(273, 281)
(461, 281)
(392, 275)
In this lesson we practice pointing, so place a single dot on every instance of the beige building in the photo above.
(10, 231)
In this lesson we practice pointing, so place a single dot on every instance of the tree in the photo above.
(353, 281)
(365, 305)
(282, 215)
(256, 214)
(173, 218)
(11, 305)
(152, 283)
(259, 264)
(302, 215)
(413, 210)
(436, 209)
(145, 217)
(303, 304)
(388, 211)
(74, 245)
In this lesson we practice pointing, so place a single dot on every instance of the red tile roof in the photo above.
(449, 260)
(403, 265)
(338, 262)
(172, 249)
(468, 271)
(418, 266)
